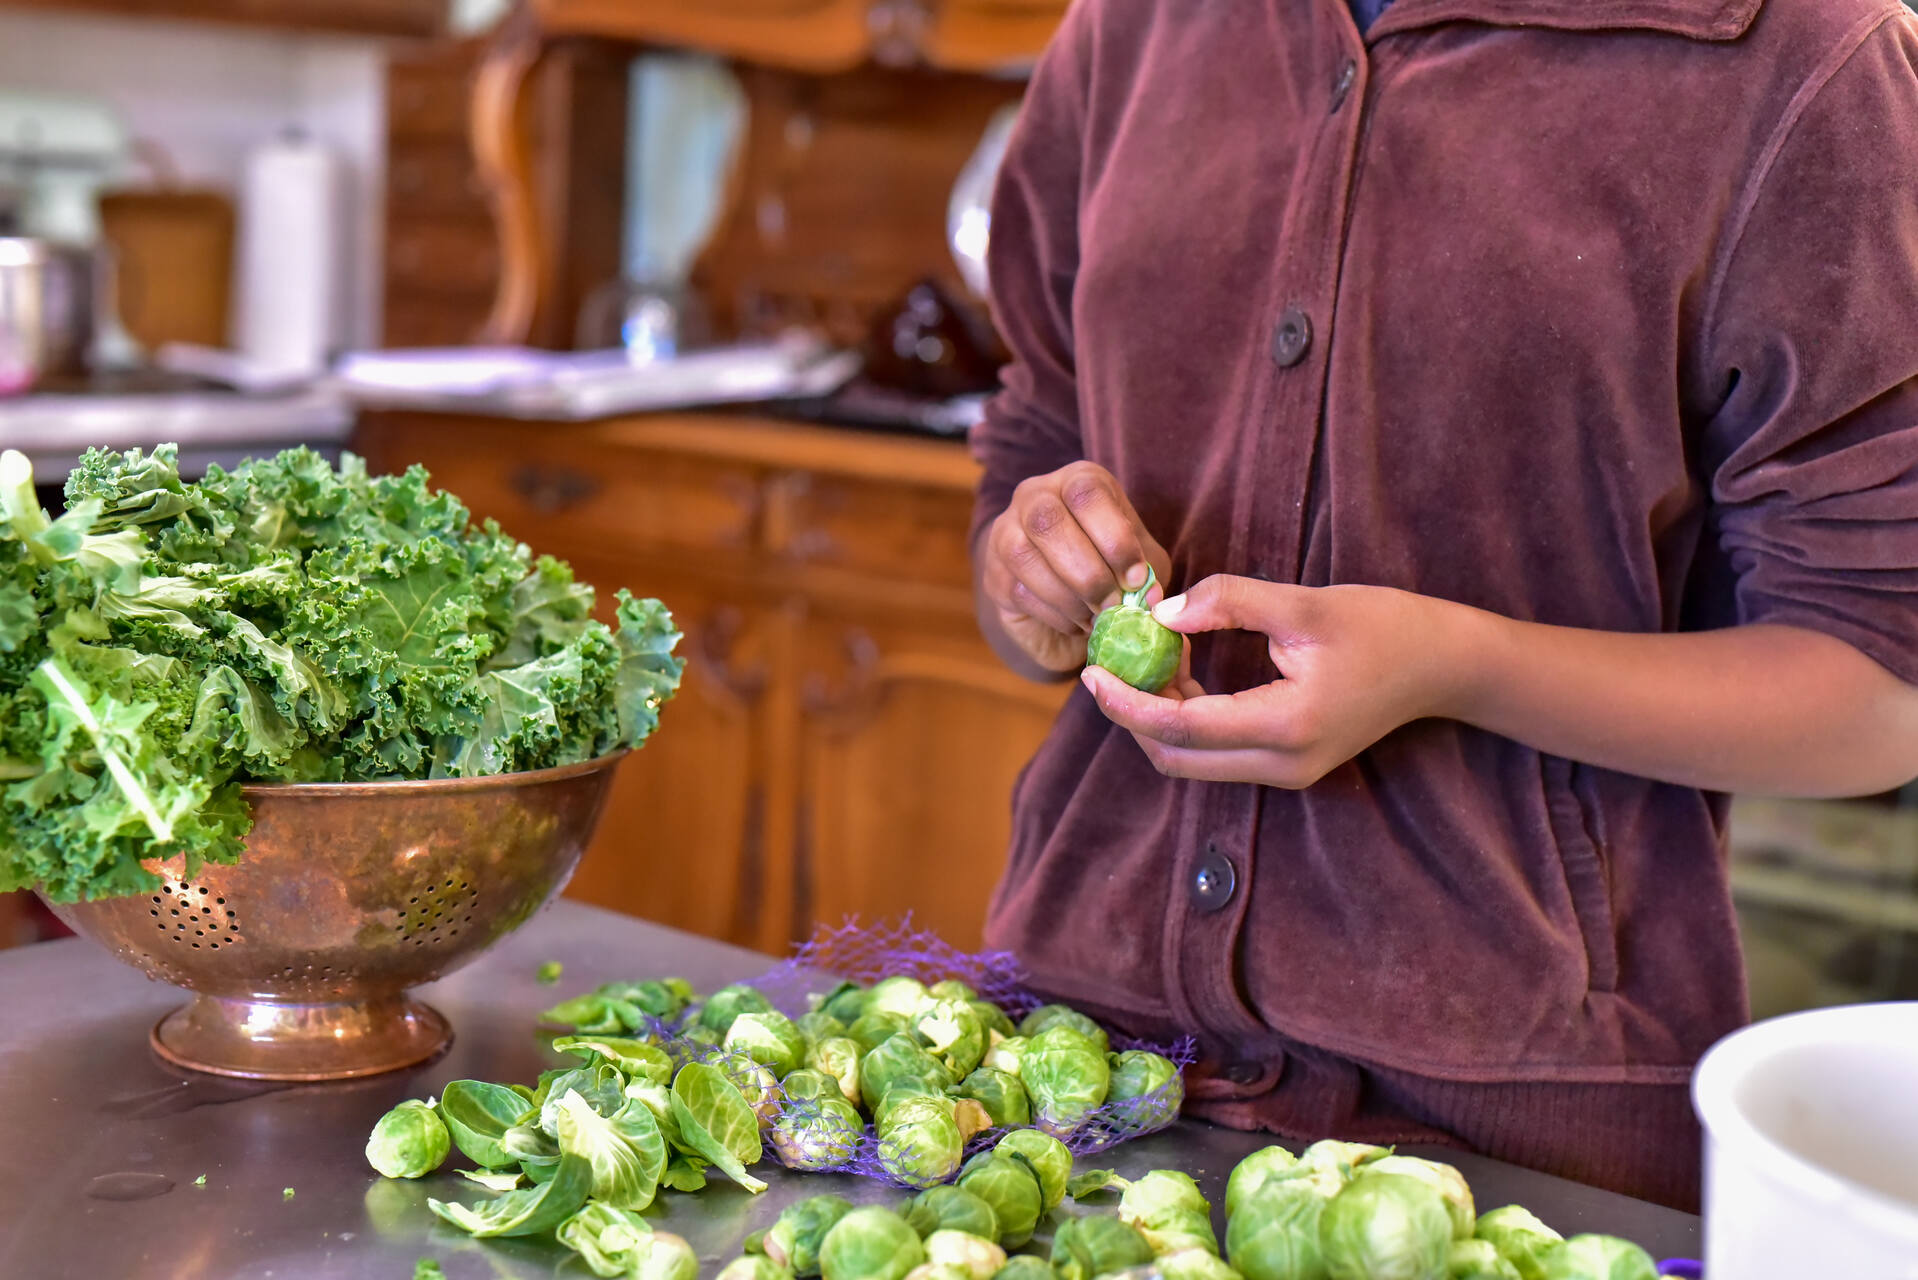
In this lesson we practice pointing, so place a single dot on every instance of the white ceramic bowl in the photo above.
(1811, 1147)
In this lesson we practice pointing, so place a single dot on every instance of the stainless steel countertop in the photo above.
(87, 1103)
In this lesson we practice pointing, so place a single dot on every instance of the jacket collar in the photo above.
(1697, 19)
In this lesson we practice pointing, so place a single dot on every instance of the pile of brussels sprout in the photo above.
(1338, 1212)
(897, 1079)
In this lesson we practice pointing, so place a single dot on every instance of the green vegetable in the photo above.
(1477, 1260)
(900, 1060)
(819, 1025)
(998, 1026)
(1025, 1266)
(634, 1059)
(550, 971)
(756, 1084)
(729, 1002)
(1168, 1209)
(1145, 1093)
(286, 1193)
(1132, 644)
(838, 1057)
(953, 1034)
(664, 1256)
(164, 643)
(495, 1181)
(1087, 1248)
(200, 1181)
(920, 1142)
(795, 1238)
(1386, 1227)
(477, 1116)
(1066, 1076)
(600, 1087)
(1010, 1189)
(1001, 1094)
(1344, 1158)
(1274, 1233)
(1254, 1172)
(870, 1244)
(974, 1257)
(607, 1239)
(1048, 1016)
(1442, 1178)
(952, 1208)
(428, 1269)
(596, 1015)
(1194, 1264)
(846, 1002)
(770, 1039)
(1007, 1055)
(1595, 1257)
(900, 996)
(627, 1150)
(528, 1212)
(1046, 1156)
(873, 1028)
(716, 1122)
(408, 1142)
(753, 1266)
(807, 1083)
(1519, 1237)
(817, 1133)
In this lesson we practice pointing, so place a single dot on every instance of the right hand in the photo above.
(1065, 548)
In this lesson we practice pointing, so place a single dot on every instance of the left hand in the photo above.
(1355, 663)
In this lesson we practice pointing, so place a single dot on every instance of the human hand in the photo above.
(1064, 549)
(1355, 663)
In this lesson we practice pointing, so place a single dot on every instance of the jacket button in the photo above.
(1244, 1073)
(1214, 881)
(1342, 84)
(1292, 339)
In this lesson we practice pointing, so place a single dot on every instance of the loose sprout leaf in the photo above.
(716, 1122)
(477, 1116)
(527, 1212)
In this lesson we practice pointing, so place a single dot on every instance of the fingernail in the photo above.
(1135, 577)
(1169, 609)
(1085, 678)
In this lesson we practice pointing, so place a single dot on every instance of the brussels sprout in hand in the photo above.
(870, 1244)
(1386, 1227)
(795, 1238)
(1595, 1257)
(1133, 645)
(410, 1141)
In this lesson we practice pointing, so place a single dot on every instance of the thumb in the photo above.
(1226, 603)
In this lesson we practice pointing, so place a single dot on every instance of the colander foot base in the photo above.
(262, 1040)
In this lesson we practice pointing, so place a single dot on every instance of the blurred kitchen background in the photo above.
(693, 297)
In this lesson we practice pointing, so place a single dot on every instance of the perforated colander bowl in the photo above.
(300, 955)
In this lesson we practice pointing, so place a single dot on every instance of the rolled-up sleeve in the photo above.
(1811, 340)
(1032, 426)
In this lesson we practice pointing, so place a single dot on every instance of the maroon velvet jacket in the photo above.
(1601, 313)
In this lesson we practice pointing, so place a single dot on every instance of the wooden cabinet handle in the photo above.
(714, 641)
(552, 490)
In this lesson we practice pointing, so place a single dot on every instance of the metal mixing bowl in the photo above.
(300, 955)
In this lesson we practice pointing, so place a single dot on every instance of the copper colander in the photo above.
(301, 954)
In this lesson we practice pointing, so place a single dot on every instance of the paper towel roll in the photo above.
(291, 283)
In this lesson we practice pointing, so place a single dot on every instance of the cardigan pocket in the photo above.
(1575, 831)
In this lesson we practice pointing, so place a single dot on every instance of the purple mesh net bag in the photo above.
(864, 954)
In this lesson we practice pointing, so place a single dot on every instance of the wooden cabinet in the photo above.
(844, 743)
(371, 17)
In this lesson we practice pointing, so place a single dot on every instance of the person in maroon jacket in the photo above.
(1522, 398)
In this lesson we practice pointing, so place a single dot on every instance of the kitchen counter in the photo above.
(94, 1118)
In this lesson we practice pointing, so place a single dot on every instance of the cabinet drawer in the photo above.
(446, 256)
(549, 491)
(899, 532)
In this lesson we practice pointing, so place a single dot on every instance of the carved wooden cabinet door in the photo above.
(911, 735)
(686, 835)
